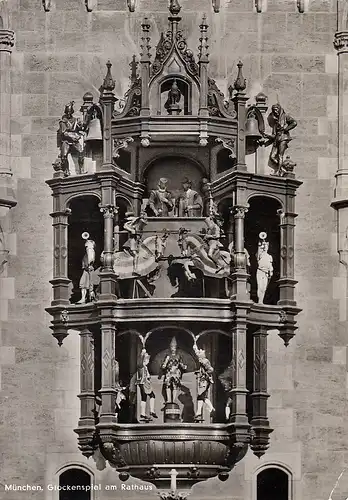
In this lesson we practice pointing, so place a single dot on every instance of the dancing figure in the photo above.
(264, 267)
(204, 381)
(143, 381)
(86, 281)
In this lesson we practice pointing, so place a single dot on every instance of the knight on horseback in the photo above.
(211, 237)
(135, 227)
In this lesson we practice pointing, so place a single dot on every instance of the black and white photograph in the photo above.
(173, 249)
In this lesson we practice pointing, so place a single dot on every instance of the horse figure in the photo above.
(193, 246)
(149, 251)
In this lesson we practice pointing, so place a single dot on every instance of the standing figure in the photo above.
(174, 96)
(205, 380)
(120, 396)
(281, 124)
(160, 199)
(86, 281)
(189, 203)
(264, 267)
(143, 381)
(172, 368)
(70, 138)
(135, 226)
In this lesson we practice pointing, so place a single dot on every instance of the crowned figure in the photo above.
(172, 370)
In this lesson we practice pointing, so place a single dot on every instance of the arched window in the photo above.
(273, 484)
(77, 478)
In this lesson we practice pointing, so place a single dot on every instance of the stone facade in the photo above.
(58, 56)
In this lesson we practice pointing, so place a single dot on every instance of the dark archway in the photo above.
(272, 484)
(78, 478)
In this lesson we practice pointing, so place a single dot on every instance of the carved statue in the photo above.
(189, 203)
(183, 275)
(87, 281)
(143, 381)
(70, 138)
(174, 96)
(172, 369)
(135, 226)
(264, 267)
(120, 396)
(160, 199)
(212, 236)
(281, 124)
(204, 380)
(197, 247)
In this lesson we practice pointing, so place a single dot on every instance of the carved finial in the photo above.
(216, 6)
(174, 7)
(109, 82)
(240, 82)
(134, 66)
(203, 47)
(145, 39)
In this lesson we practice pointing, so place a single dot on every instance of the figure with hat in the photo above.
(172, 370)
(143, 381)
(134, 226)
(87, 281)
(160, 202)
(281, 124)
(204, 381)
(189, 203)
(264, 267)
(70, 138)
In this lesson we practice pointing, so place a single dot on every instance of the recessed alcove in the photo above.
(262, 216)
(175, 169)
(85, 217)
(184, 87)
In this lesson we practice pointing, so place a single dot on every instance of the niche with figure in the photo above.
(85, 245)
(165, 368)
(174, 188)
(175, 95)
(262, 241)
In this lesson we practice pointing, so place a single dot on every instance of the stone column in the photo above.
(287, 230)
(108, 392)
(107, 275)
(259, 422)
(87, 394)
(7, 39)
(238, 393)
(239, 275)
(60, 281)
